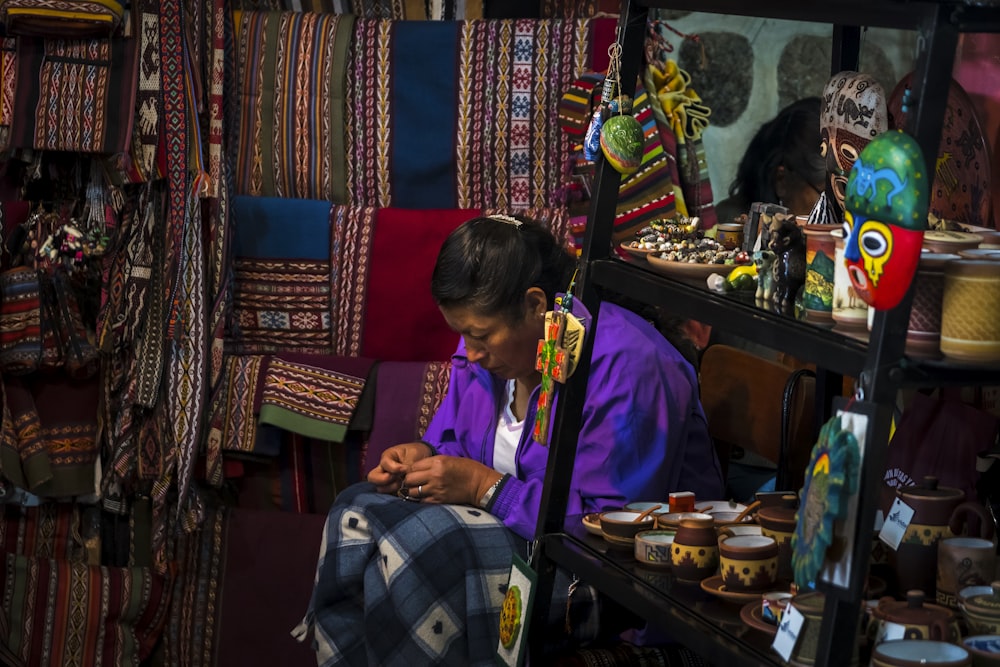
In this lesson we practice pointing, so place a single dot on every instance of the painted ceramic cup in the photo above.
(779, 524)
(748, 563)
(848, 310)
(820, 269)
(923, 333)
(653, 547)
(982, 612)
(913, 652)
(962, 562)
(772, 606)
(695, 554)
(729, 235)
(984, 649)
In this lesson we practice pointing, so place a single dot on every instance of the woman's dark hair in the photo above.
(487, 264)
(792, 140)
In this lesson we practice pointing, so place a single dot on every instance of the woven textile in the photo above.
(74, 95)
(399, 10)
(66, 614)
(49, 444)
(50, 530)
(466, 124)
(314, 396)
(8, 77)
(291, 73)
(353, 229)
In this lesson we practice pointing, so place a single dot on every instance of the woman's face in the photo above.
(506, 349)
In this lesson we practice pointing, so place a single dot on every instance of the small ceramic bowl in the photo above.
(652, 548)
(642, 506)
(971, 591)
(919, 652)
(734, 529)
(672, 520)
(728, 517)
(984, 649)
(619, 527)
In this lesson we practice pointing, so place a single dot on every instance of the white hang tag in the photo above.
(888, 631)
(896, 523)
(788, 632)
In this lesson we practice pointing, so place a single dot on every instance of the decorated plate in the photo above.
(752, 614)
(715, 586)
(961, 188)
(592, 522)
(687, 269)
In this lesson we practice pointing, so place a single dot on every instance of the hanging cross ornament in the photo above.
(558, 354)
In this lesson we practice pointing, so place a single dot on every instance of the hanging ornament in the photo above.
(621, 136)
(885, 218)
(557, 357)
(831, 476)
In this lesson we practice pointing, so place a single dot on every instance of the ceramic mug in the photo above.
(962, 562)
(695, 553)
(773, 605)
(748, 563)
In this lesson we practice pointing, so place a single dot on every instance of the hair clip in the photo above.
(508, 219)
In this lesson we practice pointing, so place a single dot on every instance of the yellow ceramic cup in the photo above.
(748, 563)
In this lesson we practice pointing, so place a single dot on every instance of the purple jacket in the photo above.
(643, 432)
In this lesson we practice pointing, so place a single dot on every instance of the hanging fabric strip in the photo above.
(146, 133)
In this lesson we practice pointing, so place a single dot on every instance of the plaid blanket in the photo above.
(401, 583)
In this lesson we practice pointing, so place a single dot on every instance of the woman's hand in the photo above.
(449, 479)
(396, 461)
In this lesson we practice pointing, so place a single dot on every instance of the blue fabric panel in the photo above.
(424, 102)
(274, 227)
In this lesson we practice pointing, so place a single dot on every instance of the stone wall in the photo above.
(746, 69)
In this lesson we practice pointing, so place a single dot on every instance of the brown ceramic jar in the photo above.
(922, 620)
(695, 553)
(779, 521)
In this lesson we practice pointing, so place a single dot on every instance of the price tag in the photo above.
(788, 632)
(888, 631)
(896, 524)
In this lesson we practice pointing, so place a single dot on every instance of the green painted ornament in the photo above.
(622, 143)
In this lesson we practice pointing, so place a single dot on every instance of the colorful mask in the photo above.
(854, 113)
(885, 218)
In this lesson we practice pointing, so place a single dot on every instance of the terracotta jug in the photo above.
(938, 511)
(922, 620)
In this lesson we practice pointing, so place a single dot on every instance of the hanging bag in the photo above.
(64, 19)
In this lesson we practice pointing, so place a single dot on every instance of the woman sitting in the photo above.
(414, 563)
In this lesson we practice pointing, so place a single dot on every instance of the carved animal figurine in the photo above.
(788, 243)
(764, 260)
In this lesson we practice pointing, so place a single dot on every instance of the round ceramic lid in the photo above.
(948, 236)
(986, 604)
(929, 488)
(912, 611)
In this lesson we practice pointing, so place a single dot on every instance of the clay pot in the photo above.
(695, 554)
(922, 620)
(619, 527)
(938, 511)
(653, 547)
(748, 562)
(849, 311)
(982, 612)
(984, 649)
(729, 235)
(810, 605)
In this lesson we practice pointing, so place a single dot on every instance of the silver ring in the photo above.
(420, 490)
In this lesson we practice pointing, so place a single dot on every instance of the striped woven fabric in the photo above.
(399, 10)
(50, 530)
(290, 69)
(466, 124)
(8, 69)
(65, 614)
(74, 95)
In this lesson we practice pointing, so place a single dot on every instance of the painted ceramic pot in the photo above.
(938, 512)
(982, 612)
(695, 554)
(970, 311)
(653, 547)
(729, 235)
(921, 619)
(984, 649)
(914, 652)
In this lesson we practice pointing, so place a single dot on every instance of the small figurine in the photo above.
(786, 240)
(764, 260)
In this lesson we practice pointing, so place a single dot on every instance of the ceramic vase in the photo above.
(820, 269)
(848, 311)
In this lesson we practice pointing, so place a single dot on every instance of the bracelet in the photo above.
(484, 502)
